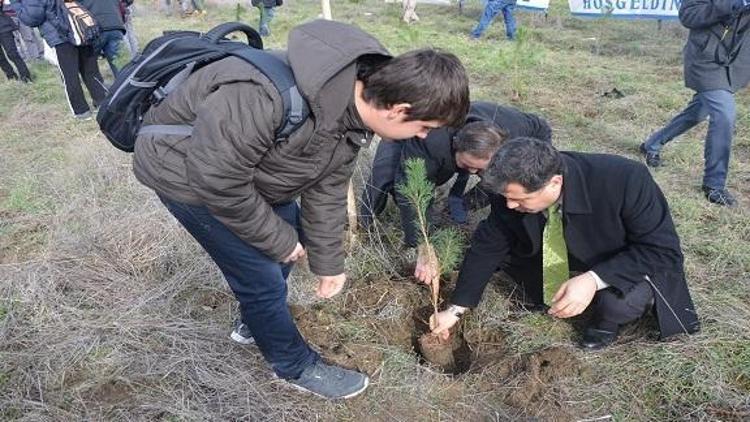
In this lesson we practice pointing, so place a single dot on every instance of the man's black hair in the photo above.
(480, 139)
(433, 82)
(528, 162)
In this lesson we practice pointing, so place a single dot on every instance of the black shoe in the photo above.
(720, 197)
(652, 158)
(597, 338)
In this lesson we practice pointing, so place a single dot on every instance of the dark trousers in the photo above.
(381, 182)
(8, 49)
(610, 308)
(258, 283)
(80, 60)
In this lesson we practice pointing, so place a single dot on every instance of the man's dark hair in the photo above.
(434, 82)
(480, 139)
(527, 161)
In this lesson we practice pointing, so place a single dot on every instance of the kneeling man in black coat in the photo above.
(614, 222)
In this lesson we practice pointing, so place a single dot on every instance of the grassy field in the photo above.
(109, 311)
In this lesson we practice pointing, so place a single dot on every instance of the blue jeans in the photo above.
(719, 106)
(108, 45)
(258, 283)
(491, 10)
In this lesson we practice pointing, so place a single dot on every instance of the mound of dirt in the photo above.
(535, 372)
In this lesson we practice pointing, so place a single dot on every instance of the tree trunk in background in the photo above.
(326, 5)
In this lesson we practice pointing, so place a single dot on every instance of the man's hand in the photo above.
(441, 323)
(296, 254)
(573, 297)
(330, 285)
(426, 269)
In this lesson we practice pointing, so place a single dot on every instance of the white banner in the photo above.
(535, 5)
(625, 9)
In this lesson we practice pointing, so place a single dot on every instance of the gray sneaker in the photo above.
(86, 115)
(331, 382)
(241, 333)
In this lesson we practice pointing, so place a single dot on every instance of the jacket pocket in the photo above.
(700, 40)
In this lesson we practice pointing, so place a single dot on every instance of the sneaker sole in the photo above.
(241, 340)
(348, 396)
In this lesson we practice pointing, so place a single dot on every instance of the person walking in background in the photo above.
(72, 60)
(8, 49)
(107, 14)
(28, 43)
(491, 10)
(716, 66)
(266, 9)
(131, 38)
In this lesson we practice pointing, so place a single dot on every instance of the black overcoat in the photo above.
(617, 223)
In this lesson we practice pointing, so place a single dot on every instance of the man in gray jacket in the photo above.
(716, 66)
(234, 187)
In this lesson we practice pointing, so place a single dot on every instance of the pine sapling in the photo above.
(441, 249)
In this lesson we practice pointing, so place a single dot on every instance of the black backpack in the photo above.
(168, 60)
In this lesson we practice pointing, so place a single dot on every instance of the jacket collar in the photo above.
(575, 188)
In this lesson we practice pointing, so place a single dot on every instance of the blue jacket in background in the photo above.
(47, 16)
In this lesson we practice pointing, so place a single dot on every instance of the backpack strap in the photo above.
(280, 74)
(296, 109)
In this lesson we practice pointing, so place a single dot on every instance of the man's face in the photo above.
(471, 162)
(392, 123)
(518, 199)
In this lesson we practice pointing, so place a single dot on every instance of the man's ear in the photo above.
(399, 111)
(557, 179)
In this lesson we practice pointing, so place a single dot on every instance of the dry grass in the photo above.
(109, 311)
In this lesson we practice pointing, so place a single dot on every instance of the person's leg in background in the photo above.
(131, 38)
(266, 15)
(694, 113)
(92, 78)
(380, 183)
(9, 46)
(491, 10)
(510, 20)
(5, 65)
(199, 7)
(68, 63)
(109, 47)
(718, 147)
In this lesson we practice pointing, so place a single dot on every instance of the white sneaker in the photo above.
(241, 333)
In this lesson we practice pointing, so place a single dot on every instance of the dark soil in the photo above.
(521, 381)
(452, 356)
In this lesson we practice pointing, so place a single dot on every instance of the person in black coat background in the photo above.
(8, 49)
(618, 231)
(442, 163)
